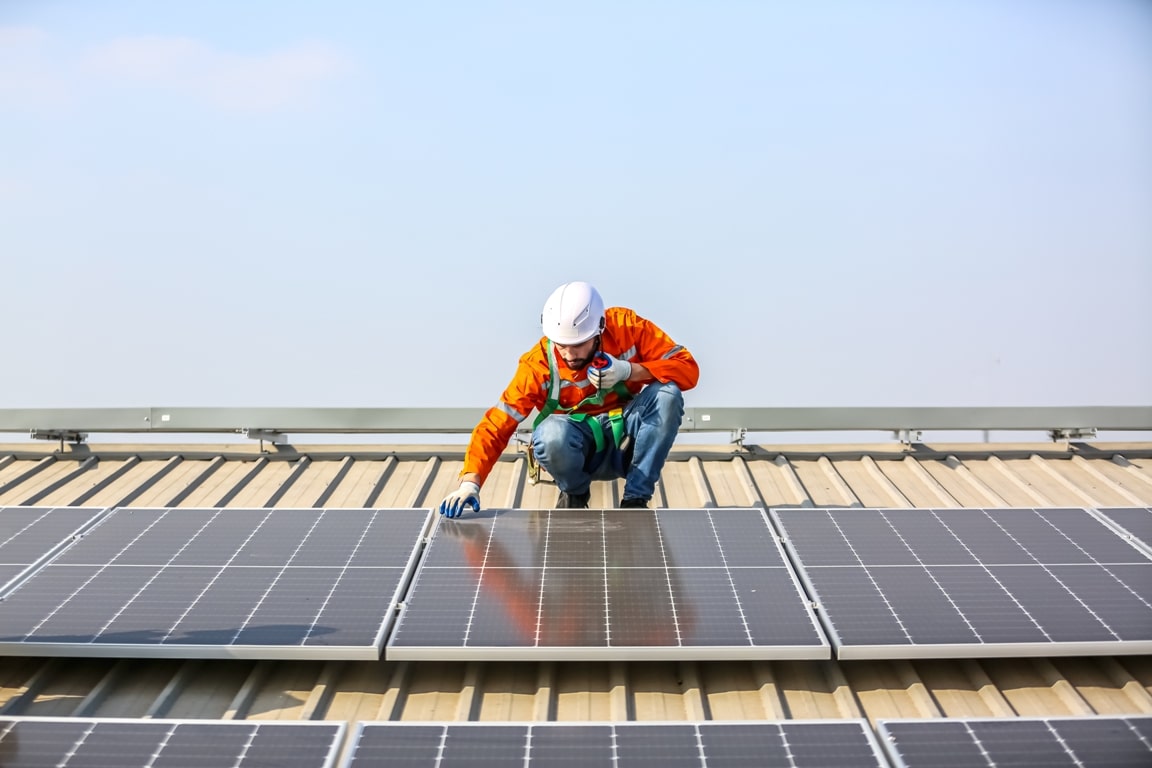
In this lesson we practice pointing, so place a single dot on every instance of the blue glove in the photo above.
(454, 503)
(610, 375)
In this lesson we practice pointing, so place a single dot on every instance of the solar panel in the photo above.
(35, 742)
(923, 583)
(1134, 522)
(712, 744)
(30, 536)
(1084, 742)
(220, 583)
(616, 584)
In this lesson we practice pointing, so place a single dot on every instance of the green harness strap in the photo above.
(552, 405)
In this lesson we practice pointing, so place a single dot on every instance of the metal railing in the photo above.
(1061, 422)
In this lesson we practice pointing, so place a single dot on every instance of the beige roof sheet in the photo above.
(702, 476)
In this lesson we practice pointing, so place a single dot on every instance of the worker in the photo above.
(608, 388)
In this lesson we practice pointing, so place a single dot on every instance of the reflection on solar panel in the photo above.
(907, 583)
(1085, 742)
(619, 584)
(29, 536)
(1135, 522)
(216, 583)
(788, 744)
(32, 742)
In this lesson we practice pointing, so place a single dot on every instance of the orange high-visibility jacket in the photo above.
(626, 336)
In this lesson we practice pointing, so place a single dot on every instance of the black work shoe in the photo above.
(573, 500)
(635, 503)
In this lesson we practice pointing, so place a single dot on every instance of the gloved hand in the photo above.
(610, 375)
(468, 494)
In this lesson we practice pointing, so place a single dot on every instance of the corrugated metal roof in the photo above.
(695, 477)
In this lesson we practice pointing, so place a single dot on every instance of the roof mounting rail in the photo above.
(1073, 433)
(737, 436)
(263, 435)
(70, 435)
(908, 436)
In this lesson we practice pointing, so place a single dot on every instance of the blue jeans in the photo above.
(567, 448)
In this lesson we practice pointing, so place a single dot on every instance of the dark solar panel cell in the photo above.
(1136, 521)
(1085, 742)
(925, 611)
(814, 534)
(996, 616)
(442, 614)
(103, 743)
(1097, 540)
(771, 610)
(855, 606)
(484, 747)
(152, 612)
(1103, 743)
(923, 532)
(744, 746)
(706, 611)
(406, 746)
(981, 535)
(573, 611)
(640, 607)
(873, 540)
(689, 539)
(603, 581)
(935, 743)
(581, 746)
(1110, 600)
(30, 534)
(164, 580)
(1063, 617)
(840, 744)
(656, 745)
(1030, 578)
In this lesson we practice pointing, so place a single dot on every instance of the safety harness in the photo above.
(552, 405)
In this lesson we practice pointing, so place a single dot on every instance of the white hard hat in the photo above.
(573, 314)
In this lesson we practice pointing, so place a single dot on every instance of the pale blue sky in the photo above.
(365, 204)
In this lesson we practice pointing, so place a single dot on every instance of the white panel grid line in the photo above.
(788, 748)
(1063, 744)
(700, 751)
(980, 564)
(76, 745)
(872, 579)
(93, 577)
(931, 576)
(607, 582)
(247, 746)
(1140, 736)
(527, 747)
(47, 511)
(731, 581)
(280, 575)
(155, 575)
(480, 580)
(1047, 569)
(1033, 563)
(216, 577)
(543, 582)
(668, 579)
(343, 570)
(97, 741)
(980, 745)
(141, 585)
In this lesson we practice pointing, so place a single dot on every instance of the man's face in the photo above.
(576, 356)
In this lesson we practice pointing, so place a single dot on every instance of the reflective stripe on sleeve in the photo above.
(516, 415)
(627, 354)
(674, 351)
